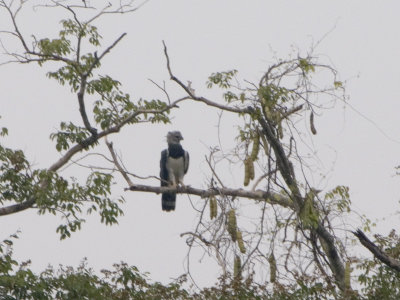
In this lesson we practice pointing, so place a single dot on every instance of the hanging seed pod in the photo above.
(263, 101)
(305, 213)
(240, 242)
(276, 117)
(312, 126)
(267, 112)
(308, 213)
(246, 172)
(232, 226)
(256, 147)
(251, 168)
(213, 207)
(272, 267)
(237, 265)
(347, 272)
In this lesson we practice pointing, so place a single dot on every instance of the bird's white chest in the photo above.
(175, 167)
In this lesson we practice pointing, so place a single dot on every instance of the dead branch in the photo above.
(117, 164)
(376, 251)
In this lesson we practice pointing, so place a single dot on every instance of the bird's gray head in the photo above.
(174, 137)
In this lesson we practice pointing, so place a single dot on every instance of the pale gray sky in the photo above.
(358, 145)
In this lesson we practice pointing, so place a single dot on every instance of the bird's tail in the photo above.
(168, 201)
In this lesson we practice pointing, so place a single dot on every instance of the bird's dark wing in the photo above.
(186, 162)
(163, 168)
(168, 200)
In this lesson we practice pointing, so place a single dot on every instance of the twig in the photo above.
(117, 164)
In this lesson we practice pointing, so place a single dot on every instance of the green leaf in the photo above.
(306, 65)
(222, 79)
(4, 131)
(338, 84)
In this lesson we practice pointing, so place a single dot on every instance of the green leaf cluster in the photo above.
(67, 74)
(309, 214)
(113, 107)
(72, 198)
(72, 72)
(3, 131)
(337, 84)
(270, 95)
(15, 180)
(221, 79)
(69, 134)
(378, 281)
(61, 48)
(154, 105)
(116, 107)
(53, 193)
(49, 47)
(82, 30)
(123, 282)
(306, 65)
(338, 199)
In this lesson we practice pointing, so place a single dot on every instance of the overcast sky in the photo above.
(358, 143)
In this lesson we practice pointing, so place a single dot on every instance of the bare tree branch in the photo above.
(117, 164)
(122, 9)
(272, 198)
(190, 92)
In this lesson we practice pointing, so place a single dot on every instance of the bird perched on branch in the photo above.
(173, 167)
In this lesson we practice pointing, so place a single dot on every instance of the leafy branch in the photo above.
(45, 190)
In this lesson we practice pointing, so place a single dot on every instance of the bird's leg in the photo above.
(180, 183)
(172, 181)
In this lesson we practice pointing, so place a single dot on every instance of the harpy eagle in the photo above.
(173, 166)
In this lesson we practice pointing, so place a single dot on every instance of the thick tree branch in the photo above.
(287, 173)
(97, 60)
(376, 251)
(272, 198)
(282, 161)
(83, 83)
(335, 262)
(11, 209)
(82, 110)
